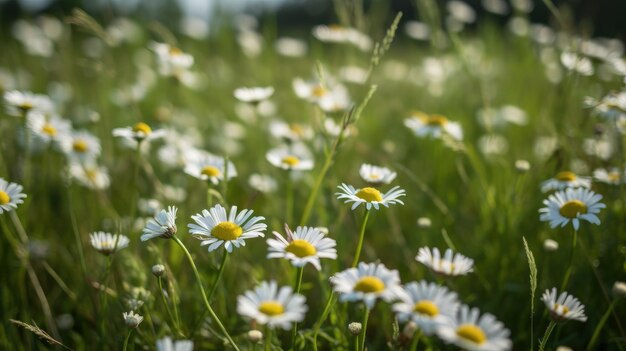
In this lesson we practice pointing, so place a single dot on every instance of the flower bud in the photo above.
(158, 270)
(355, 328)
(255, 335)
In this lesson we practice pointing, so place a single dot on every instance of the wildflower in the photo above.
(473, 332)
(571, 205)
(449, 265)
(424, 222)
(80, 146)
(47, 129)
(215, 228)
(158, 270)
(263, 183)
(290, 131)
(355, 328)
(172, 61)
(305, 245)
(267, 305)
(291, 47)
(10, 196)
(166, 344)
(427, 304)
(294, 158)
(565, 179)
(550, 245)
(376, 175)
(565, 307)
(619, 289)
(335, 100)
(522, 166)
(367, 282)
(611, 176)
(107, 243)
(255, 335)
(20, 103)
(253, 95)
(138, 133)
(210, 167)
(369, 196)
(611, 106)
(424, 125)
(338, 34)
(90, 175)
(163, 225)
(132, 319)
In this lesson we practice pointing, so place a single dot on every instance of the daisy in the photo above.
(571, 205)
(47, 129)
(428, 305)
(138, 132)
(262, 183)
(210, 167)
(107, 243)
(425, 125)
(132, 319)
(305, 245)
(19, 103)
(371, 197)
(449, 265)
(82, 146)
(473, 332)
(215, 228)
(311, 90)
(335, 100)
(565, 179)
(611, 176)
(290, 131)
(376, 175)
(10, 196)
(294, 158)
(172, 61)
(163, 225)
(335, 33)
(565, 307)
(367, 282)
(253, 95)
(90, 175)
(166, 344)
(268, 305)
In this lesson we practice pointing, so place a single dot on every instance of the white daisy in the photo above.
(253, 95)
(132, 319)
(376, 175)
(305, 245)
(450, 264)
(611, 176)
(172, 61)
(473, 332)
(163, 225)
(210, 167)
(565, 307)
(571, 204)
(47, 129)
(81, 146)
(107, 243)
(19, 103)
(369, 196)
(90, 175)
(425, 125)
(428, 305)
(290, 131)
(339, 34)
(215, 228)
(166, 344)
(565, 179)
(295, 157)
(311, 90)
(138, 132)
(10, 196)
(263, 183)
(367, 282)
(335, 100)
(268, 305)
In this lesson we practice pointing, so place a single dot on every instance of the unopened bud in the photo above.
(522, 166)
(550, 245)
(355, 328)
(158, 270)
(255, 335)
(619, 289)
(409, 329)
(424, 222)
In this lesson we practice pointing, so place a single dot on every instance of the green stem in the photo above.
(167, 308)
(103, 298)
(204, 296)
(130, 332)
(416, 340)
(568, 272)
(596, 332)
(133, 204)
(318, 325)
(364, 325)
(289, 198)
(298, 285)
(546, 335)
(225, 182)
(209, 195)
(219, 276)
(361, 237)
(268, 339)
(79, 244)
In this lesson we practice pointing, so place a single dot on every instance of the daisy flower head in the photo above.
(211, 168)
(271, 306)
(611, 176)
(367, 282)
(215, 227)
(172, 61)
(293, 158)
(90, 175)
(262, 183)
(107, 243)
(47, 129)
(434, 126)
(132, 319)
(138, 132)
(335, 100)
(335, 33)
(81, 146)
(163, 225)
(167, 344)
(428, 305)
(564, 307)
(565, 179)
(376, 175)
(369, 196)
(290, 131)
(253, 95)
(19, 103)
(305, 245)
(449, 265)
(10, 196)
(571, 204)
(474, 332)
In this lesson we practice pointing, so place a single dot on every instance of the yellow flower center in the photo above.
(80, 145)
(227, 231)
(564, 309)
(290, 161)
(271, 308)
(210, 171)
(613, 176)
(4, 198)
(26, 105)
(49, 129)
(472, 333)
(565, 176)
(91, 174)
(301, 248)
(174, 51)
(369, 194)
(369, 284)
(573, 208)
(318, 91)
(296, 129)
(142, 128)
(435, 120)
(426, 307)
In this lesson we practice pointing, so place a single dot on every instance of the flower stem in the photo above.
(546, 335)
(294, 334)
(204, 296)
(135, 195)
(361, 237)
(167, 308)
(316, 329)
(568, 272)
(596, 332)
(219, 275)
(79, 243)
(364, 326)
(289, 198)
(268, 339)
(130, 332)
